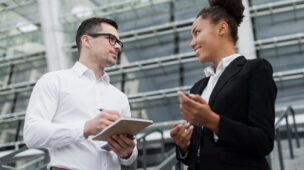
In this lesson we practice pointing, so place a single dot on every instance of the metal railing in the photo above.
(143, 142)
(289, 110)
(170, 162)
(280, 41)
(11, 157)
(276, 7)
(168, 159)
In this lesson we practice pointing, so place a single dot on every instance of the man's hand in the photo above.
(196, 111)
(121, 145)
(100, 122)
(180, 135)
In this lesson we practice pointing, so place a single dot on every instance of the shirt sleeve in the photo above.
(39, 131)
(131, 159)
(127, 112)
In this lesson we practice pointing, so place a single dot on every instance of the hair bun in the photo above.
(234, 7)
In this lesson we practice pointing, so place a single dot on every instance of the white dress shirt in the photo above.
(60, 104)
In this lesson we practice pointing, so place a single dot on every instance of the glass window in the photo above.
(6, 104)
(162, 77)
(193, 72)
(22, 101)
(4, 75)
(149, 48)
(279, 24)
(284, 58)
(29, 71)
(159, 110)
(261, 2)
(8, 131)
(291, 91)
(188, 9)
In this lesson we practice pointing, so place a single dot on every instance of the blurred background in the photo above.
(37, 36)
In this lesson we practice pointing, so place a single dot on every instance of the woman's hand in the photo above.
(180, 135)
(196, 111)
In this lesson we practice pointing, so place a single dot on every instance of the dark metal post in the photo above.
(134, 165)
(295, 126)
(144, 154)
(288, 130)
(162, 145)
(278, 138)
(47, 156)
(179, 166)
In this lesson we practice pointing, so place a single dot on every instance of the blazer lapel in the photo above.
(200, 86)
(234, 67)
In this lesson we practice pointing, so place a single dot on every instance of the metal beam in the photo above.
(276, 7)
(95, 2)
(118, 8)
(168, 28)
(280, 41)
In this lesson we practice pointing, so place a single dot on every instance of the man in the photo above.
(67, 107)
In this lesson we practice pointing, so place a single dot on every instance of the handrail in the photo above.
(143, 139)
(170, 162)
(9, 156)
(289, 110)
(277, 7)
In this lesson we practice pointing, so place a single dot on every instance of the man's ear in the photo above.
(85, 41)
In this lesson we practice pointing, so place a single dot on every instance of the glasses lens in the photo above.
(112, 39)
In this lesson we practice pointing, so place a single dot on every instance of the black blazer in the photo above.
(244, 98)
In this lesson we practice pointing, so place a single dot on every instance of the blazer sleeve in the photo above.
(194, 143)
(187, 159)
(256, 136)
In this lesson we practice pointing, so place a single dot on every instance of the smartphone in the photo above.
(130, 136)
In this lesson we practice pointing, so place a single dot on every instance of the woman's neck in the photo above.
(224, 52)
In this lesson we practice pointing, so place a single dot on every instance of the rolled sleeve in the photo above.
(131, 159)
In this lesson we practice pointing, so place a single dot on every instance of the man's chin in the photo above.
(111, 63)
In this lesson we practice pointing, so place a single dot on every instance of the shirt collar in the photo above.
(105, 77)
(209, 71)
(80, 69)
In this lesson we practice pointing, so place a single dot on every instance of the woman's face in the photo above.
(205, 40)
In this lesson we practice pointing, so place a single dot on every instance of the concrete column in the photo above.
(246, 36)
(53, 34)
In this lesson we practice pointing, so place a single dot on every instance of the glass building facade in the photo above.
(37, 36)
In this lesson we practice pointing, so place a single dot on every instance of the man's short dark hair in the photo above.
(91, 25)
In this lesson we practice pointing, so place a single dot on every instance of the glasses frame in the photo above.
(110, 37)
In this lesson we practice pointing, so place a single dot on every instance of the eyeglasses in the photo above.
(112, 39)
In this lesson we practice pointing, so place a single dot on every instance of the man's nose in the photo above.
(118, 47)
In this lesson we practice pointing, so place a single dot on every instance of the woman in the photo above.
(230, 113)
